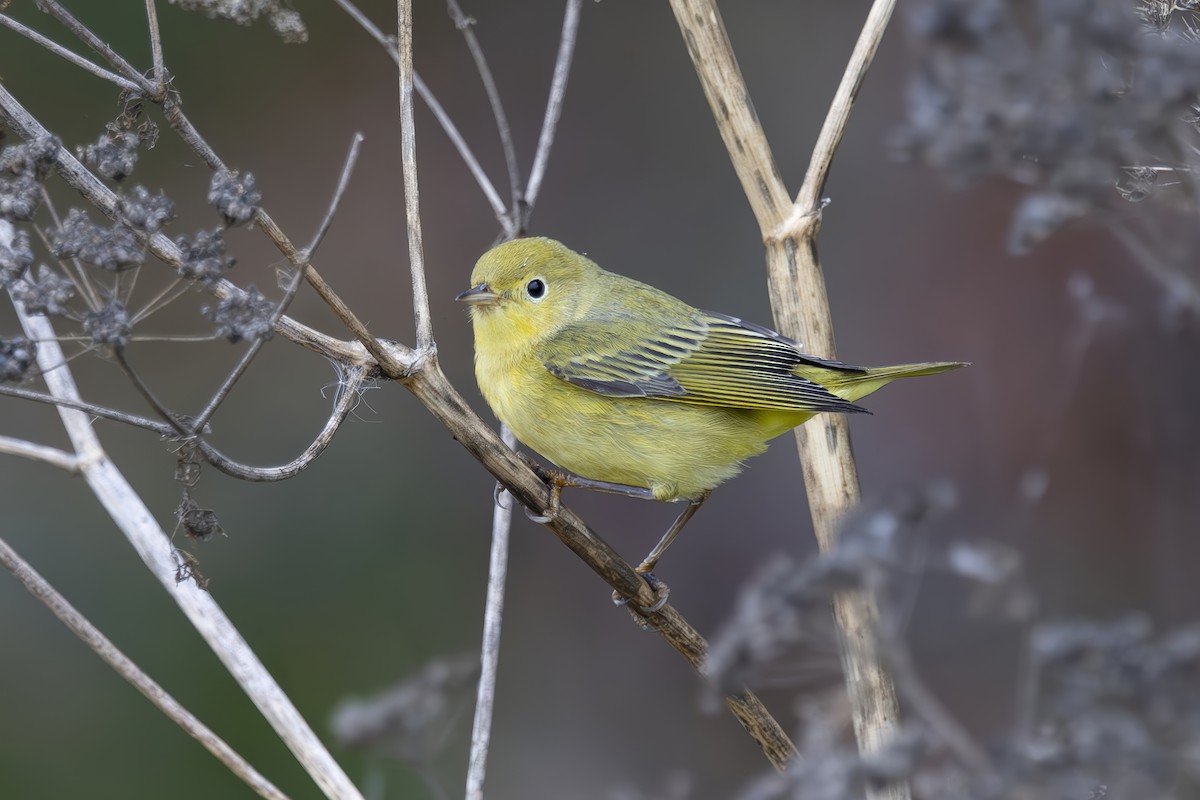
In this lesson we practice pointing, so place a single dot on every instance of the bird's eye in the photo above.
(536, 288)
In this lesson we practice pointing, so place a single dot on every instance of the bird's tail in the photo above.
(851, 385)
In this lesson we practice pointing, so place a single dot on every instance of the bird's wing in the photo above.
(705, 359)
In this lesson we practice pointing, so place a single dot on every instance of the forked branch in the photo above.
(801, 308)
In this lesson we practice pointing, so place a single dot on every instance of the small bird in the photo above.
(633, 390)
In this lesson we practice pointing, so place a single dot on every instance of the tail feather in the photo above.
(853, 385)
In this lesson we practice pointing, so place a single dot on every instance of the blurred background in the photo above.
(1072, 438)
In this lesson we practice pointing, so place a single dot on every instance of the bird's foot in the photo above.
(640, 614)
(556, 480)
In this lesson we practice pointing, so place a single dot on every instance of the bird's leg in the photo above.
(561, 479)
(649, 562)
(646, 568)
(639, 492)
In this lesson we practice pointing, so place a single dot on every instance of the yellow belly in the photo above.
(677, 450)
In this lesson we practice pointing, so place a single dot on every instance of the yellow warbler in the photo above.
(634, 390)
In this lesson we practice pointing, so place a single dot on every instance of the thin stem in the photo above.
(350, 388)
(558, 88)
(170, 293)
(452, 132)
(408, 155)
(123, 290)
(156, 52)
(808, 199)
(347, 399)
(720, 77)
(161, 428)
(393, 358)
(335, 201)
(191, 137)
(62, 52)
(227, 385)
(80, 278)
(144, 390)
(349, 392)
(493, 615)
(127, 669)
(93, 41)
(465, 153)
(139, 337)
(39, 452)
(288, 296)
(466, 25)
(136, 521)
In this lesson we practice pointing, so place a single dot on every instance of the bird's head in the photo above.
(527, 289)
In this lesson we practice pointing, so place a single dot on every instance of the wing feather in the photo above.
(705, 359)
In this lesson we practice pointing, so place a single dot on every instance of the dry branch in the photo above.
(40, 588)
(137, 523)
(801, 309)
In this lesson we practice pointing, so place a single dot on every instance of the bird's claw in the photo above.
(662, 593)
(556, 481)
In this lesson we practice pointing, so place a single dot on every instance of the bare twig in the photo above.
(481, 730)
(78, 60)
(452, 132)
(408, 155)
(24, 122)
(39, 452)
(160, 408)
(335, 201)
(137, 523)
(466, 25)
(161, 428)
(85, 35)
(289, 295)
(393, 358)
(558, 88)
(801, 309)
(103, 647)
(465, 153)
(382, 355)
(349, 393)
(808, 199)
(169, 294)
(349, 389)
(156, 51)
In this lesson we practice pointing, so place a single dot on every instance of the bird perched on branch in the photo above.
(633, 390)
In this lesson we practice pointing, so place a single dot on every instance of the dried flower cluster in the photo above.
(1084, 101)
(82, 286)
(284, 21)
(1113, 708)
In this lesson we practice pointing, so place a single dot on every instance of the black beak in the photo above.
(478, 295)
